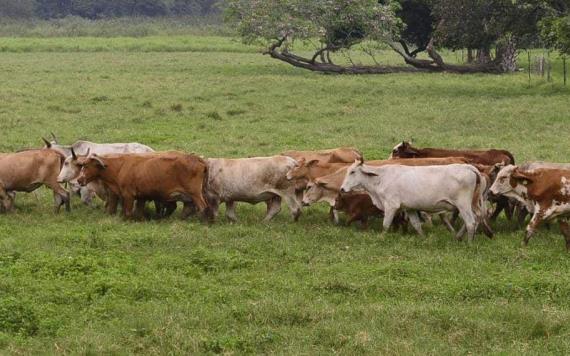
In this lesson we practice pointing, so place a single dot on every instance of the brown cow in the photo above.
(26, 171)
(487, 157)
(335, 155)
(545, 191)
(358, 207)
(167, 177)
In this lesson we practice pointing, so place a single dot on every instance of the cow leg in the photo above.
(188, 210)
(416, 222)
(200, 202)
(273, 208)
(231, 211)
(389, 215)
(333, 214)
(5, 198)
(447, 223)
(86, 195)
(139, 209)
(170, 207)
(535, 222)
(470, 223)
(128, 207)
(521, 216)
(60, 195)
(565, 229)
(111, 203)
(487, 230)
(364, 221)
(502, 204)
(294, 206)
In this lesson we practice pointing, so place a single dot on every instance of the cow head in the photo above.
(301, 170)
(91, 168)
(315, 192)
(356, 176)
(70, 169)
(511, 181)
(403, 150)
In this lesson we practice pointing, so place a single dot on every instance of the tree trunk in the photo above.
(507, 55)
(484, 55)
(470, 58)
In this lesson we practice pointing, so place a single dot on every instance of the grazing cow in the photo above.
(335, 155)
(414, 189)
(83, 148)
(544, 191)
(486, 157)
(26, 171)
(252, 180)
(167, 177)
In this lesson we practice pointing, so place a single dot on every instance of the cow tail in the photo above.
(208, 212)
(478, 200)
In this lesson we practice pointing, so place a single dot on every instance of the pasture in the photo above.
(84, 282)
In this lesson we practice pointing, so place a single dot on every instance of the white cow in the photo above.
(432, 189)
(83, 148)
(252, 180)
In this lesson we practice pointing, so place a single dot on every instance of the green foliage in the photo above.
(95, 9)
(336, 24)
(556, 33)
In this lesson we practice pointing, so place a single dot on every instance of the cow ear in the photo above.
(301, 162)
(312, 163)
(320, 183)
(99, 161)
(369, 172)
(522, 177)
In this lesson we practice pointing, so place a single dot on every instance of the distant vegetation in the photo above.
(97, 9)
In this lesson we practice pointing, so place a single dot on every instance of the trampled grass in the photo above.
(85, 282)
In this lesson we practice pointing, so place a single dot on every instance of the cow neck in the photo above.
(114, 165)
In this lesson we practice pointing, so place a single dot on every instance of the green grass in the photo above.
(84, 282)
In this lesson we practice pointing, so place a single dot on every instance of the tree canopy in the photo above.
(407, 26)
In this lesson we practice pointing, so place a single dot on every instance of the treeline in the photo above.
(97, 9)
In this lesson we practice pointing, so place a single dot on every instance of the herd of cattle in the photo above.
(408, 188)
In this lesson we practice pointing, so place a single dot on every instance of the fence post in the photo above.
(548, 68)
(528, 52)
(564, 65)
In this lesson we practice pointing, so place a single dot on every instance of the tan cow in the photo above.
(335, 155)
(252, 180)
(28, 170)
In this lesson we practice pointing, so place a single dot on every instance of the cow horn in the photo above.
(73, 155)
(48, 144)
(54, 137)
(88, 152)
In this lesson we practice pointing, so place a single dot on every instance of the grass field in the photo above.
(84, 282)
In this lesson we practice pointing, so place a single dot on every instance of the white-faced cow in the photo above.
(432, 189)
(544, 191)
(252, 180)
(83, 148)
